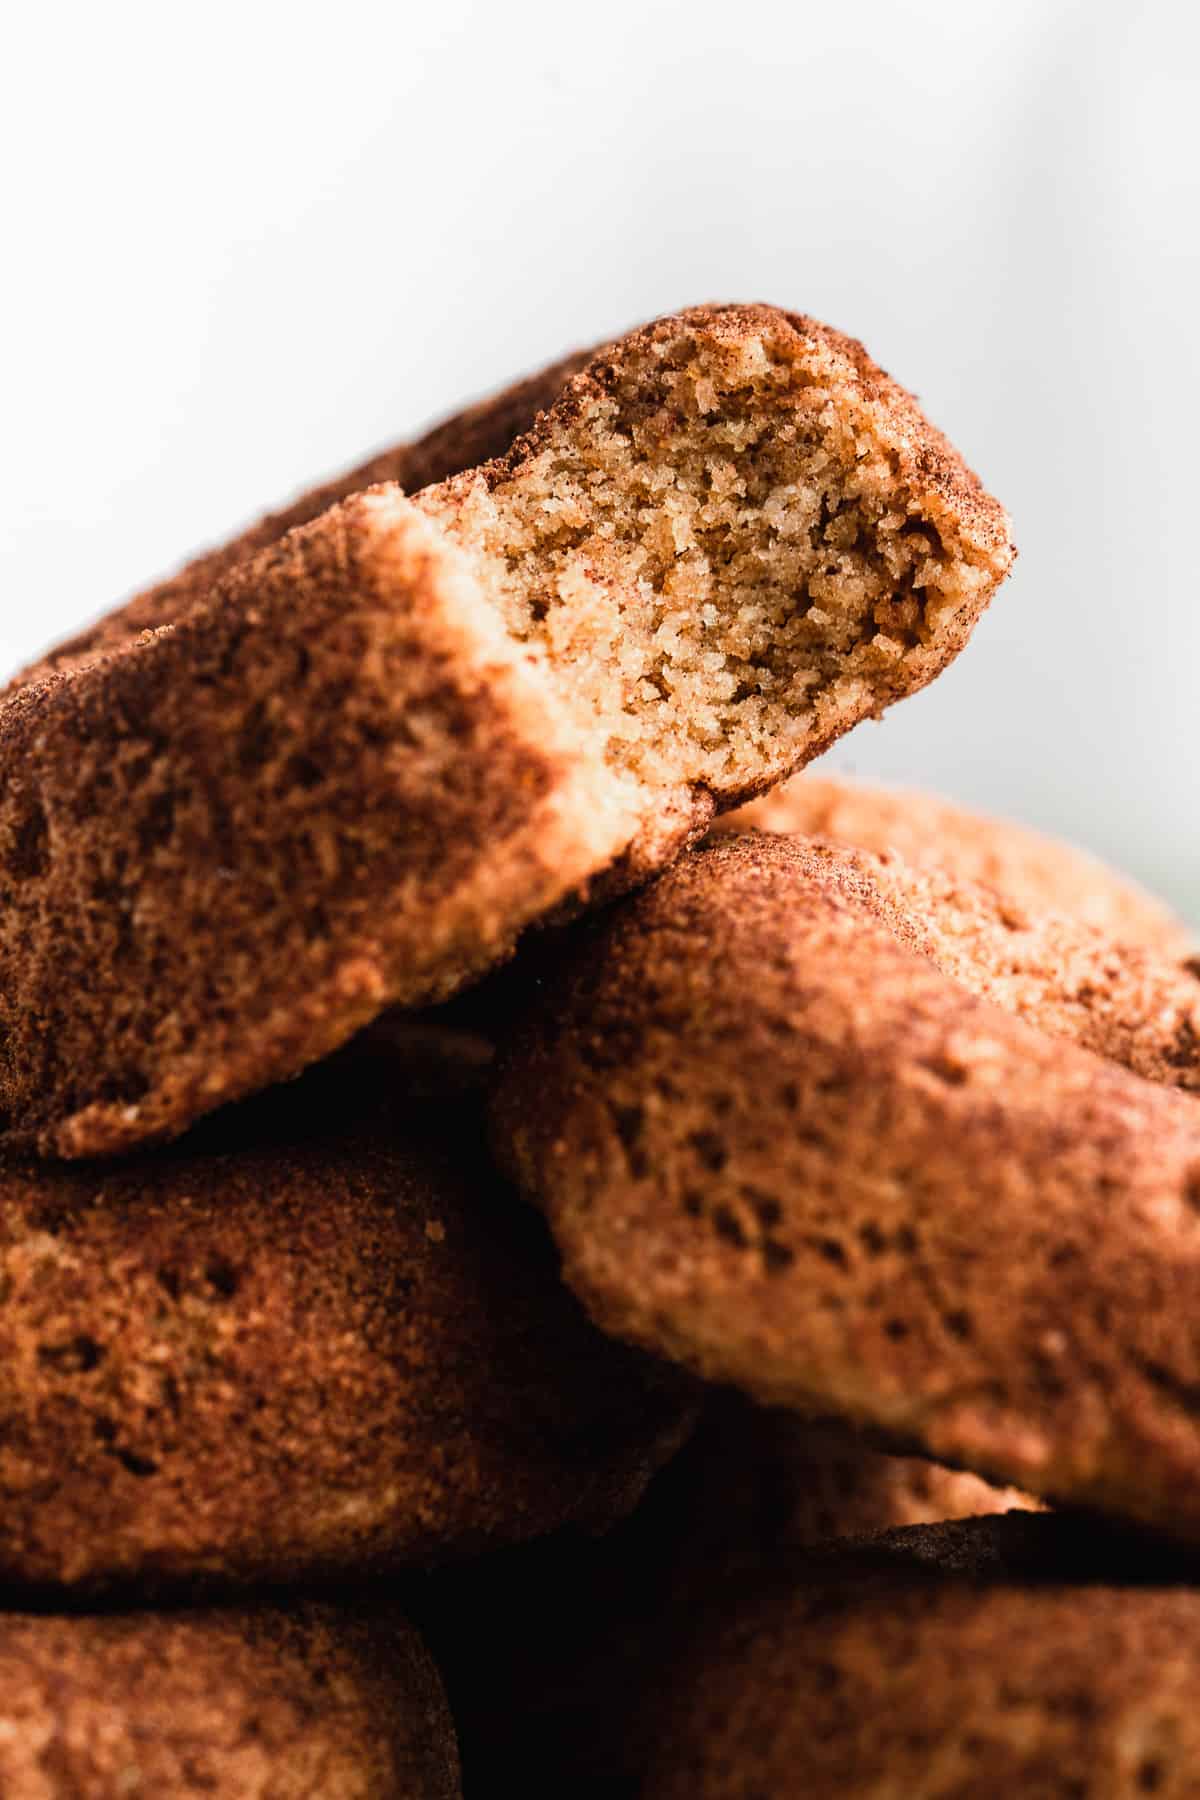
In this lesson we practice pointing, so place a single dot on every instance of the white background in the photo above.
(245, 244)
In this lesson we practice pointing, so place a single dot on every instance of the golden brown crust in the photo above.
(473, 436)
(224, 849)
(817, 1168)
(259, 1704)
(981, 1660)
(1025, 868)
(1135, 1005)
(317, 1336)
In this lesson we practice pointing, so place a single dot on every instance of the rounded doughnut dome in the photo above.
(260, 1703)
(319, 1334)
(1030, 871)
(1128, 1002)
(777, 1142)
(990, 1657)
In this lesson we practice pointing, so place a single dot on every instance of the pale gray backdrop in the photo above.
(245, 243)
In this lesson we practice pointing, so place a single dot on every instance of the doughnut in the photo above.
(260, 1703)
(474, 436)
(383, 746)
(779, 1144)
(316, 1336)
(1036, 872)
(545, 1649)
(992, 1657)
(1134, 1005)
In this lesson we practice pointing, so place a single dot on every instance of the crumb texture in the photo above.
(732, 540)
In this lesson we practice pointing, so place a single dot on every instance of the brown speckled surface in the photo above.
(1024, 867)
(229, 846)
(776, 1142)
(1132, 1002)
(976, 1661)
(254, 1704)
(320, 1335)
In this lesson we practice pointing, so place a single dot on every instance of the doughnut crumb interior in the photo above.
(730, 543)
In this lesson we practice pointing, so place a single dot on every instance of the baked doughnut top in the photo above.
(319, 1335)
(778, 1140)
(1029, 870)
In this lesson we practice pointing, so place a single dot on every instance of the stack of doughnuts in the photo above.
(540, 1246)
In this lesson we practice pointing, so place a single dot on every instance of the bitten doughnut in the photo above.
(253, 1704)
(382, 747)
(474, 436)
(997, 1657)
(318, 1335)
(1031, 871)
(776, 1142)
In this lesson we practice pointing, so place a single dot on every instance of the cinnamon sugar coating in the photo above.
(374, 753)
(1027, 869)
(816, 1167)
(993, 1657)
(319, 1335)
(1138, 1006)
(256, 1704)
